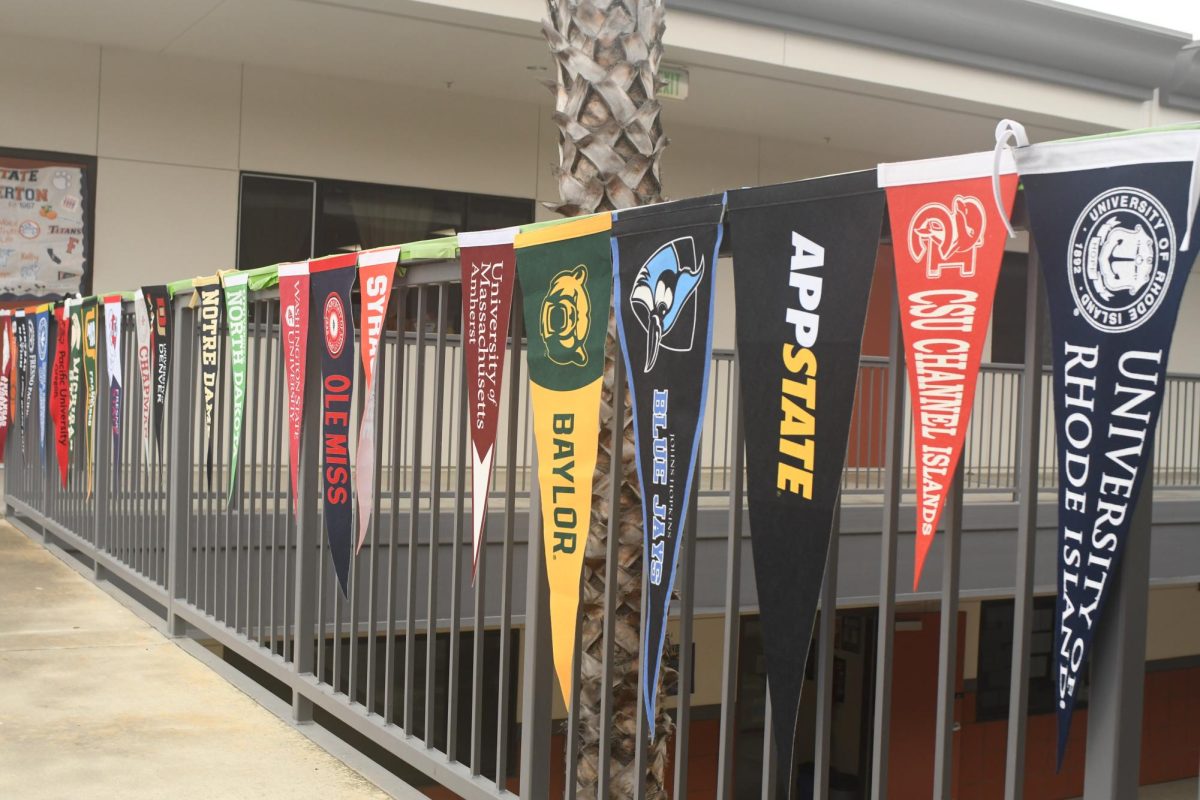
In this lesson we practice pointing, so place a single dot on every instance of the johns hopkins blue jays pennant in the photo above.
(664, 261)
(803, 257)
(1113, 219)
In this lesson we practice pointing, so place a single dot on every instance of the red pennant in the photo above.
(293, 298)
(948, 240)
(60, 395)
(6, 359)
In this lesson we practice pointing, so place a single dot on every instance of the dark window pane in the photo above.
(485, 212)
(354, 216)
(275, 221)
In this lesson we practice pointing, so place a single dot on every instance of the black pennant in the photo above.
(21, 336)
(1112, 229)
(158, 309)
(209, 312)
(804, 255)
(664, 263)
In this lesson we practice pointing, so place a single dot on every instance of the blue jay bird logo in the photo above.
(663, 298)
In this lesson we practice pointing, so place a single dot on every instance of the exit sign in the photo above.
(674, 82)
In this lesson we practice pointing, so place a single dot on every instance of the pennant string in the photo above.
(1193, 201)
(1006, 130)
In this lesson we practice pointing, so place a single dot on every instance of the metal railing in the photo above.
(454, 678)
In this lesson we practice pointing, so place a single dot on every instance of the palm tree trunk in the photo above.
(610, 143)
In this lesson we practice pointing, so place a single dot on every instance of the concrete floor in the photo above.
(95, 703)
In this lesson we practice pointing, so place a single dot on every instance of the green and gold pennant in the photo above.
(90, 315)
(235, 284)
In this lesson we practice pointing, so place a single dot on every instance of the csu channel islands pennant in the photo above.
(948, 238)
(376, 269)
(1114, 219)
(803, 258)
(488, 263)
(664, 262)
(293, 332)
(331, 280)
(566, 284)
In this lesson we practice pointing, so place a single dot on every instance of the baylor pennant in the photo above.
(664, 262)
(331, 280)
(803, 254)
(566, 282)
(948, 237)
(1114, 220)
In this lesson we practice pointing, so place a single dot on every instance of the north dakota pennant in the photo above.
(60, 384)
(293, 332)
(803, 259)
(488, 264)
(43, 373)
(664, 263)
(91, 390)
(331, 280)
(208, 299)
(112, 352)
(376, 268)
(948, 238)
(1115, 224)
(141, 316)
(566, 283)
(234, 284)
(158, 307)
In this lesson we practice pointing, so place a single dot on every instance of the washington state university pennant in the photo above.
(566, 283)
(948, 241)
(488, 263)
(1114, 221)
(803, 258)
(664, 263)
(293, 332)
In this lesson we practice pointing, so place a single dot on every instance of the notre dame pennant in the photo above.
(565, 273)
(1114, 220)
(804, 254)
(664, 262)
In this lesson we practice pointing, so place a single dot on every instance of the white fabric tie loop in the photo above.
(1009, 130)
(1193, 201)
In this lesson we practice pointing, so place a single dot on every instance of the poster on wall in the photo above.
(44, 226)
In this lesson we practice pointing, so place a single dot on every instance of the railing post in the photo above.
(101, 447)
(179, 469)
(538, 676)
(308, 526)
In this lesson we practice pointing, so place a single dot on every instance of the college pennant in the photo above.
(804, 255)
(376, 268)
(208, 298)
(566, 285)
(1114, 219)
(141, 318)
(74, 371)
(21, 337)
(158, 307)
(90, 389)
(43, 373)
(331, 280)
(293, 332)
(29, 388)
(948, 241)
(112, 352)
(6, 356)
(60, 386)
(234, 284)
(664, 263)
(488, 264)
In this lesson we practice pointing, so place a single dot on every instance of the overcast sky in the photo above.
(1180, 15)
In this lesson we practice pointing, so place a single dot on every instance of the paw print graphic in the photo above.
(61, 180)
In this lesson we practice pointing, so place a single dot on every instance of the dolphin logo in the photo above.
(945, 238)
(663, 297)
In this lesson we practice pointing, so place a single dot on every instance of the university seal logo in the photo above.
(944, 238)
(335, 325)
(566, 317)
(1122, 255)
(663, 298)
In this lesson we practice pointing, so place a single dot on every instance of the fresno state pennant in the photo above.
(142, 326)
(1115, 224)
(566, 282)
(158, 307)
(112, 352)
(91, 390)
(948, 239)
(60, 383)
(208, 299)
(234, 284)
(488, 263)
(804, 254)
(293, 332)
(331, 280)
(43, 373)
(376, 268)
(664, 260)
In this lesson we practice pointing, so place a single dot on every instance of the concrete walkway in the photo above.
(95, 703)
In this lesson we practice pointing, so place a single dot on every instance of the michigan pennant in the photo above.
(293, 332)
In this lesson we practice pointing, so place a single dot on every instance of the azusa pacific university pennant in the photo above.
(803, 258)
(1114, 219)
(207, 300)
(565, 272)
(234, 285)
(293, 335)
(948, 241)
(112, 354)
(488, 263)
(331, 280)
(664, 263)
